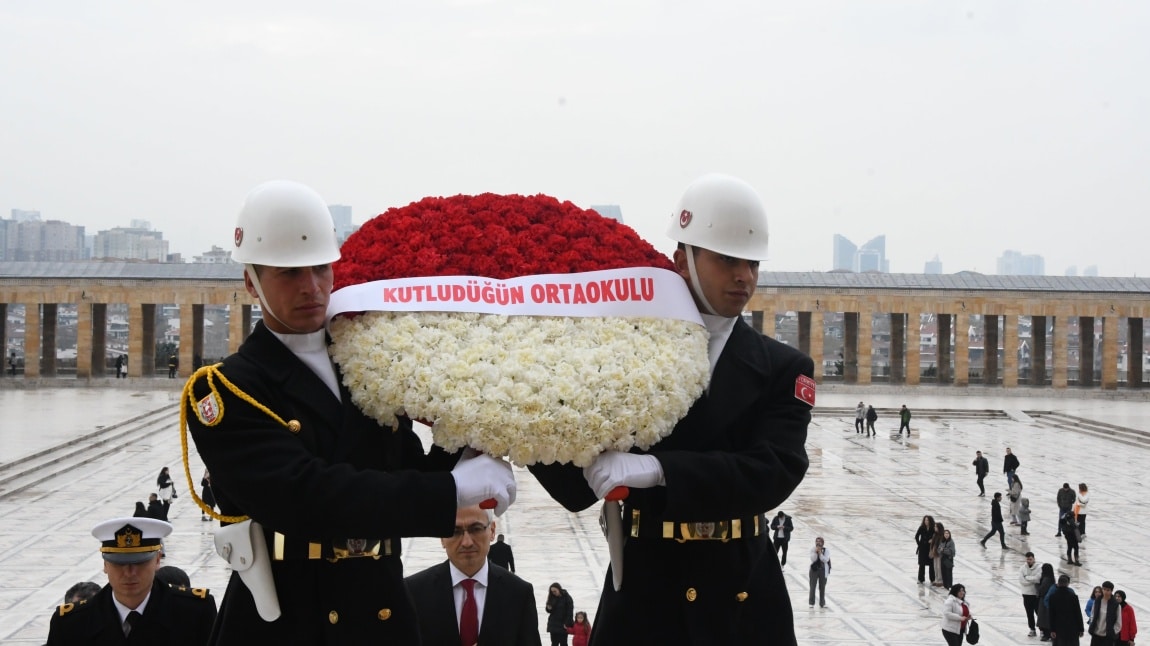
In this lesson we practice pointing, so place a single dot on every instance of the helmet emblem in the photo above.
(239, 235)
(684, 219)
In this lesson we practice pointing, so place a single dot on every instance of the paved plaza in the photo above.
(865, 496)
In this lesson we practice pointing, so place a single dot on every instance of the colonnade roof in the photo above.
(964, 281)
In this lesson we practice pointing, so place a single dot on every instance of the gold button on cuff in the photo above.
(294, 427)
(384, 614)
(742, 596)
(691, 594)
(333, 617)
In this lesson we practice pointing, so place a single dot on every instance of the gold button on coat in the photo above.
(691, 594)
(742, 596)
(385, 614)
(333, 617)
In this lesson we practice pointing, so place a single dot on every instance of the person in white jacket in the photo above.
(955, 615)
(1028, 578)
(1080, 508)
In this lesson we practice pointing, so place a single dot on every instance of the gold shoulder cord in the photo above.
(188, 397)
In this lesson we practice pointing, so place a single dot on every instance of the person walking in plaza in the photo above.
(871, 418)
(580, 631)
(560, 609)
(922, 539)
(781, 528)
(1065, 499)
(904, 420)
(860, 414)
(955, 615)
(1070, 533)
(301, 475)
(936, 553)
(820, 571)
(1045, 584)
(1023, 516)
(1129, 622)
(207, 495)
(466, 599)
(1015, 496)
(1029, 576)
(1010, 464)
(1095, 595)
(1106, 619)
(12, 365)
(1080, 502)
(119, 366)
(134, 607)
(739, 452)
(996, 521)
(981, 468)
(1066, 626)
(501, 554)
(947, 552)
(165, 487)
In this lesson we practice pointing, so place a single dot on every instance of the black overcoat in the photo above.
(175, 616)
(340, 476)
(737, 454)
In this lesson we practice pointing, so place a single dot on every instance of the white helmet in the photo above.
(285, 224)
(723, 214)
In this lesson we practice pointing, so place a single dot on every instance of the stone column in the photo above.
(945, 370)
(865, 346)
(850, 347)
(1038, 350)
(48, 340)
(1010, 350)
(961, 349)
(99, 352)
(805, 333)
(1109, 352)
(1085, 350)
(816, 334)
(768, 323)
(913, 348)
(4, 339)
(31, 340)
(83, 340)
(236, 326)
(897, 346)
(1134, 352)
(187, 341)
(1061, 354)
(989, 349)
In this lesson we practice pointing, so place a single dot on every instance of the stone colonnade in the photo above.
(1091, 313)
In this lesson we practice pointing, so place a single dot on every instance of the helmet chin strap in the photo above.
(251, 270)
(696, 287)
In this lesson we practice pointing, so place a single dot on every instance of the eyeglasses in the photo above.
(475, 530)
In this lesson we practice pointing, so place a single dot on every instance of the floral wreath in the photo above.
(537, 389)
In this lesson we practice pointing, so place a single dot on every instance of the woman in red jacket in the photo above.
(1129, 623)
(581, 629)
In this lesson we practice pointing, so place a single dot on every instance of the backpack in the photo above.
(972, 632)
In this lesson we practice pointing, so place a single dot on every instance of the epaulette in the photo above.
(69, 607)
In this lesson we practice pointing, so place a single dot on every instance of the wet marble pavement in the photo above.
(865, 496)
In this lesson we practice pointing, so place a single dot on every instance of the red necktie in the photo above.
(469, 618)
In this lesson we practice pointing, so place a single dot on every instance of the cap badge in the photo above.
(129, 537)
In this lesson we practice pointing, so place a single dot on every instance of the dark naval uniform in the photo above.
(334, 493)
(698, 567)
(175, 616)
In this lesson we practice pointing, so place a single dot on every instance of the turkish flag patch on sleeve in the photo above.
(805, 389)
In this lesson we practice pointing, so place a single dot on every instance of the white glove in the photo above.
(482, 477)
(616, 469)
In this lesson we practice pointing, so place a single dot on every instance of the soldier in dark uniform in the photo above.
(135, 607)
(327, 491)
(698, 566)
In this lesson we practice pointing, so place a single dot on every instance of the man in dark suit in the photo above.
(134, 608)
(781, 528)
(697, 566)
(504, 604)
(501, 554)
(328, 491)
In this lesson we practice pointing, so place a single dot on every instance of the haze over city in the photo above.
(957, 130)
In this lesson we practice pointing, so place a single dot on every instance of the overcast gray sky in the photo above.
(955, 128)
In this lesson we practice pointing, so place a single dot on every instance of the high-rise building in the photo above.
(1090, 270)
(130, 243)
(870, 256)
(612, 211)
(26, 238)
(1014, 263)
(933, 266)
(341, 217)
(216, 256)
